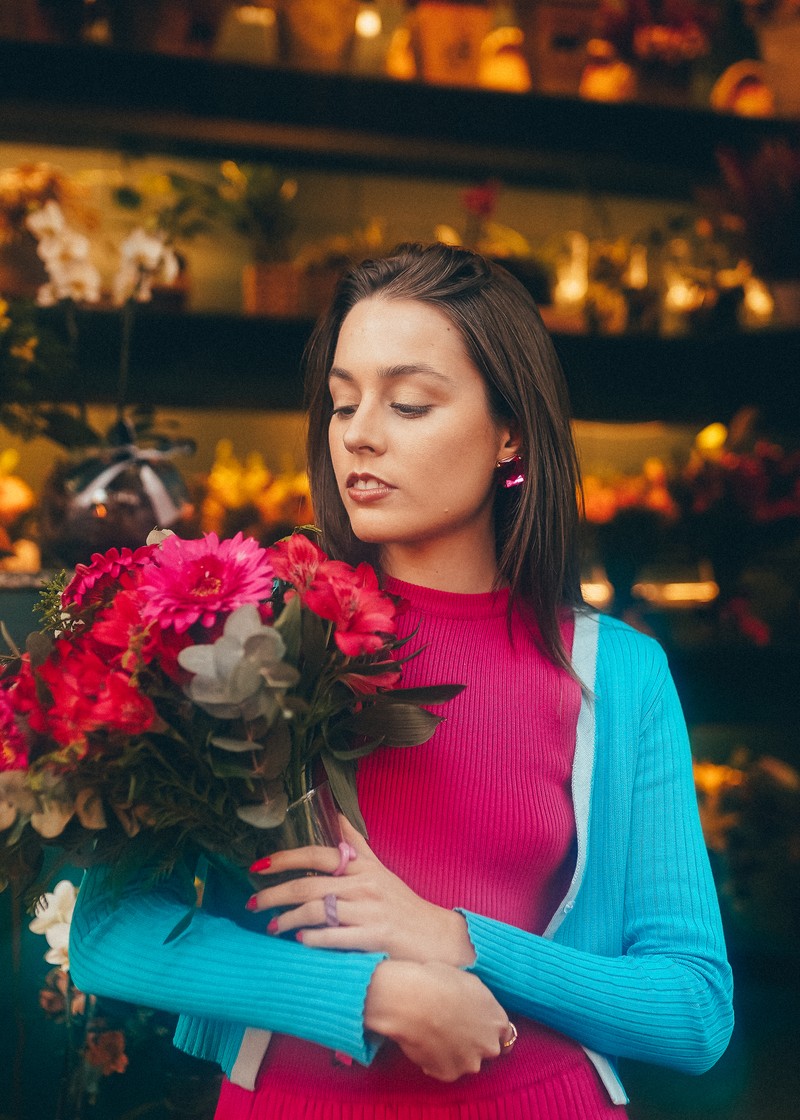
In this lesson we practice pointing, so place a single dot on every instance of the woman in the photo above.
(541, 856)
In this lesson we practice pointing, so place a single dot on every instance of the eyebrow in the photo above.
(392, 372)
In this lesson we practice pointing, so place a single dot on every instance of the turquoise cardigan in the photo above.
(632, 964)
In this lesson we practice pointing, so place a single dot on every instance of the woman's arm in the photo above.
(444, 1020)
(666, 998)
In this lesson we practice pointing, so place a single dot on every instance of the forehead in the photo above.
(380, 325)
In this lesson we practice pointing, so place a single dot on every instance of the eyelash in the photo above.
(408, 410)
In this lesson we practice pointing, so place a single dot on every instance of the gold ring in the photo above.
(509, 1042)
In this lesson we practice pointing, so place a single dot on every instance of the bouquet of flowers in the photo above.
(181, 695)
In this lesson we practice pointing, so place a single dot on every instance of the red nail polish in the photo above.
(272, 927)
(260, 865)
(252, 902)
(299, 936)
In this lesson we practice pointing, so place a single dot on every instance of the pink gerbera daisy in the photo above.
(195, 581)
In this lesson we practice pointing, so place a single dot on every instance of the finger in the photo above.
(294, 893)
(312, 858)
(354, 837)
(343, 936)
(301, 917)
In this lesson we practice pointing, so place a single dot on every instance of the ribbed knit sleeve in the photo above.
(216, 969)
(659, 989)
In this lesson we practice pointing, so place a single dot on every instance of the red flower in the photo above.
(482, 200)
(88, 697)
(296, 559)
(92, 582)
(194, 581)
(105, 1050)
(13, 748)
(362, 614)
(365, 684)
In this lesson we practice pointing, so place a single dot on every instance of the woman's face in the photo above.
(412, 440)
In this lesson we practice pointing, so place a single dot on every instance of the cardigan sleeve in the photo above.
(663, 994)
(215, 969)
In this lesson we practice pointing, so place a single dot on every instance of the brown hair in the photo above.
(536, 524)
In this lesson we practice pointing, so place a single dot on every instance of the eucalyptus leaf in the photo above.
(266, 814)
(236, 746)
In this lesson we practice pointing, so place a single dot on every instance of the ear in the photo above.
(511, 444)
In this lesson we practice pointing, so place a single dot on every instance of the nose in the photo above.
(363, 430)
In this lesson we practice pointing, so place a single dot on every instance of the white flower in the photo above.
(70, 279)
(58, 939)
(47, 222)
(145, 256)
(65, 248)
(243, 672)
(55, 908)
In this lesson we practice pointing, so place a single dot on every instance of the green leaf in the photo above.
(289, 626)
(398, 725)
(222, 767)
(426, 694)
(315, 644)
(182, 925)
(267, 814)
(342, 777)
(237, 746)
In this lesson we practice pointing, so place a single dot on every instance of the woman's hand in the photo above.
(375, 909)
(444, 1020)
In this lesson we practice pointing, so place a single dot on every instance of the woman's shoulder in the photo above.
(622, 651)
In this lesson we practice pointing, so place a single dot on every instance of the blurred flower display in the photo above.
(750, 813)
(102, 1038)
(244, 495)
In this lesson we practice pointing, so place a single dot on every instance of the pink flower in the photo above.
(93, 581)
(197, 580)
(362, 614)
(13, 748)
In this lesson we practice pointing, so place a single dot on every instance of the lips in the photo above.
(366, 488)
(366, 482)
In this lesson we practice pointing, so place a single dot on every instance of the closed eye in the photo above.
(344, 410)
(412, 409)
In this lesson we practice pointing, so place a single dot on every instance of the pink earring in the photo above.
(510, 472)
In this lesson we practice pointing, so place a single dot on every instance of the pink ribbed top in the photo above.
(479, 817)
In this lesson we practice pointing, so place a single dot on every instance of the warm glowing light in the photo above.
(758, 302)
(368, 23)
(683, 295)
(688, 593)
(712, 438)
(636, 273)
(254, 16)
(597, 589)
(572, 271)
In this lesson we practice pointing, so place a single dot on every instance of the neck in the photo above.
(454, 570)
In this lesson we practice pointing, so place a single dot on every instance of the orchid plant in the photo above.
(182, 694)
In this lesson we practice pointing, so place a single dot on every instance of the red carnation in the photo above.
(362, 614)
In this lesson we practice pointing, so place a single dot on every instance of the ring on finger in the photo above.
(508, 1043)
(331, 910)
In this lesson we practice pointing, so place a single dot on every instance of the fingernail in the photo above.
(299, 936)
(272, 927)
(252, 902)
(260, 865)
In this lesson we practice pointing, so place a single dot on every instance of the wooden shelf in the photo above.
(100, 97)
(216, 360)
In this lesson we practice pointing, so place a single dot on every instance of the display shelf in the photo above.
(216, 360)
(101, 97)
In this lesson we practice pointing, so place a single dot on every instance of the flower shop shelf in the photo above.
(87, 95)
(237, 360)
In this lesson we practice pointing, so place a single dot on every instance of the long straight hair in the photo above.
(536, 524)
